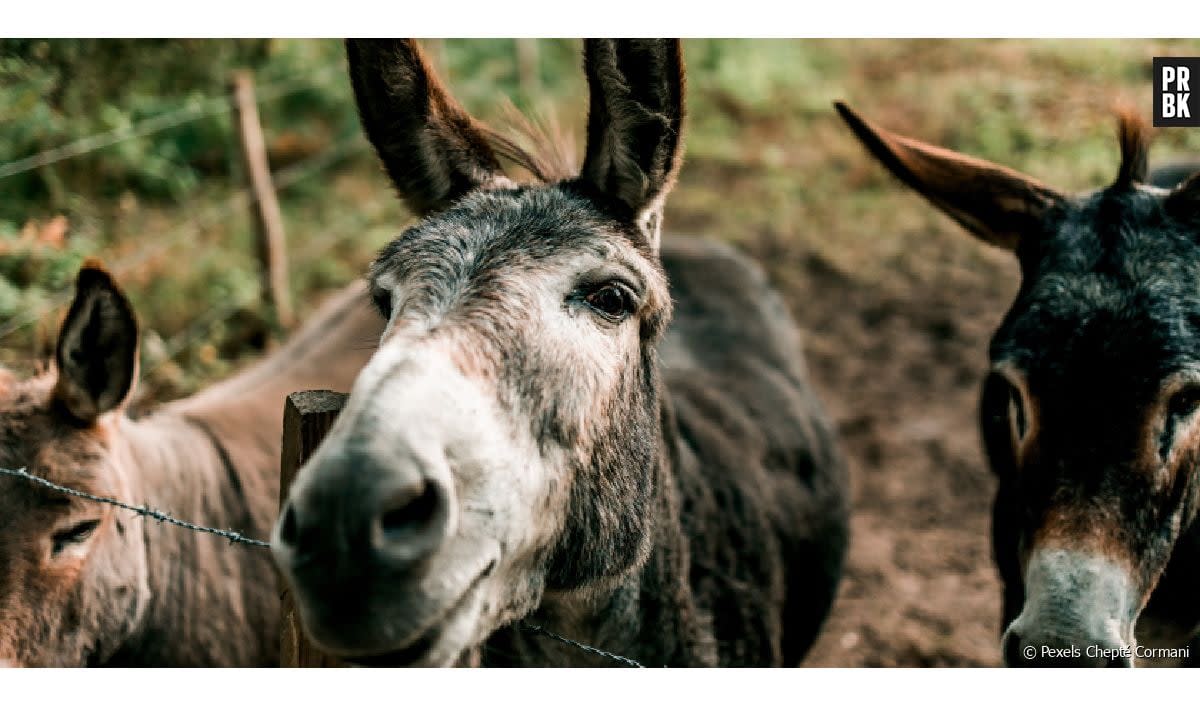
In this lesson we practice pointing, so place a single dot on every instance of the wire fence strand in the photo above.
(206, 108)
(235, 203)
(145, 511)
(581, 646)
(236, 537)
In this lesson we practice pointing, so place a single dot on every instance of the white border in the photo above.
(587, 687)
(573, 18)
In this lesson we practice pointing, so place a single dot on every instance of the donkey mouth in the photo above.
(423, 648)
(407, 656)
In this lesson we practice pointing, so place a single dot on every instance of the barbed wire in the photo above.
(236, 537)
(145, 511)
(238, 201)
(207, 107)
(581, 646)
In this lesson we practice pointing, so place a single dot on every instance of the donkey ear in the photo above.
(995, 203)
(635, 121)
(432, 149)
(97, 348)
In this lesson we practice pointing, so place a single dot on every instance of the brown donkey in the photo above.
(87, 584)
(533, 441)
(1089, 413)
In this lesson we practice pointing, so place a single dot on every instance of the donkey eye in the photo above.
(74, 535)
(1181, 406)
(1184, 403)
(612, 300)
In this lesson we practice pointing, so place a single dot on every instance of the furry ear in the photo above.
(97, 348)
(635, 124)
(434, 152)
(995, 203)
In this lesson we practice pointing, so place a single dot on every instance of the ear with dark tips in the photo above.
(434, 151)
(997, 204)
(97, 348)
(635, 123)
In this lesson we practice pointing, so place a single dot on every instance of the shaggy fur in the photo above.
(137, 592)
(750, 527)
(690, 503)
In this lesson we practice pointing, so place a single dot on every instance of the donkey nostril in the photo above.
(409, 514)
(287, 528)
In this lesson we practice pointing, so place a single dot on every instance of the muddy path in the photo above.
(899, 365)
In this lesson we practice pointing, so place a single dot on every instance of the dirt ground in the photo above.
(899, 366)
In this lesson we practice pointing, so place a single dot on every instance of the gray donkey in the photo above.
(550, 435)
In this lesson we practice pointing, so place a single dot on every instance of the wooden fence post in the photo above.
(272, 246)
(307, 417)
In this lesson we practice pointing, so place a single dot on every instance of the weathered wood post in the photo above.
(272, 245)
(307, 417)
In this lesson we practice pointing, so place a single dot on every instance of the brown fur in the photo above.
(140, 592)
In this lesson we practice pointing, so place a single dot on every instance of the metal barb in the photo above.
(144, 510)
(582, 647)
(236, 537)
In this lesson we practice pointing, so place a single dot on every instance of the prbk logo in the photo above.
(1173, 104)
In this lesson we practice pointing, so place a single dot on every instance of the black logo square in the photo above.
(1174, 104)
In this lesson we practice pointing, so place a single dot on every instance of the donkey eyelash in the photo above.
(598, 298)
(76, 534)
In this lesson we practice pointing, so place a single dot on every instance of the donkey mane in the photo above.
(540, 146)
(1134, 135)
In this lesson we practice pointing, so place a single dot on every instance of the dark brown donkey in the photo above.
(1089, 413)
(87, 584)
(533, 441)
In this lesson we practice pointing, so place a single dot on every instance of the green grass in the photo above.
(767, 160)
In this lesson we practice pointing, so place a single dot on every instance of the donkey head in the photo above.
(500, 448)
(1089, 413)
(72, 574)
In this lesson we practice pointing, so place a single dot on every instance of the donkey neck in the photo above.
(649, 616)
(210, 602)
(213, 459)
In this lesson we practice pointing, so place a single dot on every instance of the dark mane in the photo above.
(1134, 135)
(539, 146)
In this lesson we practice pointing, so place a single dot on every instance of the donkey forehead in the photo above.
(1113, 281)
(1120, 231)
(492, 232)
(1092, 333)
(34, 435)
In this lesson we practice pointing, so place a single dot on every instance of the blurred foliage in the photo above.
(767, 160)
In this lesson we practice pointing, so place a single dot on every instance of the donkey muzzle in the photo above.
(1079, 611)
